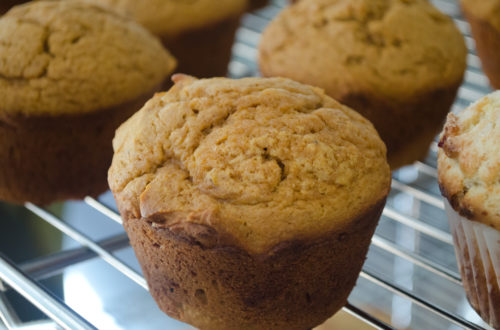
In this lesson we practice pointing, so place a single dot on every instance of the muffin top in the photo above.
(171, 17)
(469, 161)
(66, 57)
(488, 10)
(261, 161)
(391, 49)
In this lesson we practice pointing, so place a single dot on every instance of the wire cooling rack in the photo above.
(410, 278)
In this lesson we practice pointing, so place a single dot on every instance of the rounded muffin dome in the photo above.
(469, 161)
(260, 160)
(395, 49)
(66, 57)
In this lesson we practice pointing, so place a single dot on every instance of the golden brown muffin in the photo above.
(469, 178)
(5, 5)
(199, 33)
(399, 63)
(70, 73)
(250, 203)
(484, 20)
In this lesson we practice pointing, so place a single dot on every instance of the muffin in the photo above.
(199, 34)
(70, 74)
(5, 5)
(484, 20)
(399, 63)
(469, 178)
(249, 203)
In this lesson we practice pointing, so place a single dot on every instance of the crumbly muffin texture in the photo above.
(261, 161)
(67, 57)
(488, 10)
(469, 161)
(171, 17)
(391, 49)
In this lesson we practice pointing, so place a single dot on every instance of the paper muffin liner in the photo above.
(477, 247)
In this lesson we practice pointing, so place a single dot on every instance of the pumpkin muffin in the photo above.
(397, 62)
(70, 74)
(199, 33)
(250, 203)
(469, 178)
(484, 20)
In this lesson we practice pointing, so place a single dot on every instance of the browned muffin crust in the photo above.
(296, 285)
(47, 158)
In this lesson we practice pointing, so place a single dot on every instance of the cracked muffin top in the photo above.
(393, 49)
(469, 161)
(259, 160)
(488, 10)
(171, 17)
(65, 57)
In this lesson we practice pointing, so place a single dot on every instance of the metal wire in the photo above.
(416, 259)
(366, 317)
(103, 209)
(419, 301)
(7, 313)
(40, 297)
(54, 264)
(418, 194)
(86, 241)
(418, 225)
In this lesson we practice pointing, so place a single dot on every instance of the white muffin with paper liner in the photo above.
(469, 179)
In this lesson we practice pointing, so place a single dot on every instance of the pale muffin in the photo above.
(399, 63)
(249, 203)
(70, 73)
(469, 178)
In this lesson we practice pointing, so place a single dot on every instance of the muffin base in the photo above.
(44, 159)
(477, 248)
(487, 40)
(407, 128)
(204, 52)
(296, 285)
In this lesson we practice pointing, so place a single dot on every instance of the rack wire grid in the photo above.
(409, 280)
